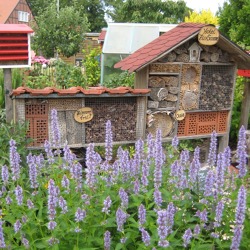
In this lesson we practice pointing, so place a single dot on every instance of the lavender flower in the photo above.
(108, 141)
(124, 164)
(197, 230)
(53, 241)
(5, 174)
(52, 225)
(76, 173)
(184, 157)
(241, 152)
(8, 200)
(157, 197)
(215, 235)
(25, 242)
(150, 146)
(107, 240)
(19, 195)
(241, 206)
(175, 142)
(68, 156)
(30, 204)
(236, 238)
(48, 151)
(63, 205)
(32, 171)
(220, 170)
(212, 150)
(136, 186)
(65, 183)
(14, 160)
(2, 241)
(227, 156)
(145, 237)
(142, 214)
(202, 215)
(52, 199)
(80, 214)
(123, 240)
(124, 197)
(218, 215)
(187, 237)
(56, 137)
(120, 219)
(139, 146)
(92, 160)
(24, 219)
(209, 183)
(106, 205)
(17, 226)
(159, 160)
(145, 173)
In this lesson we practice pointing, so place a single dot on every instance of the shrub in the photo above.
(137, 202)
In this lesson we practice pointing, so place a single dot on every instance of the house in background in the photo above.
(15, 12)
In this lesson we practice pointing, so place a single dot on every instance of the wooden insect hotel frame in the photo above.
(191, 71)
(123, 106)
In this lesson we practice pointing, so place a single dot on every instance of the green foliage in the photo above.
(147, 11)
(61, 32)
(204, 16)
(92, 67)
(13, 131)
(234, 21)
(124, 79)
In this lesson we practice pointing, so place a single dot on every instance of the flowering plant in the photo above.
(148, 201)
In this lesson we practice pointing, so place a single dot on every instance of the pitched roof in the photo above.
(96, 91)
(160, 46)
(15, 28)
(6, 8)
(102, 35)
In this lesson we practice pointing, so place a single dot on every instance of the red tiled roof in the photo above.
(6, 8)
(102, 35)
(159, 46)
(75, 90)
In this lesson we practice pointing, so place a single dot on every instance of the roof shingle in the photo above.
(160, 45)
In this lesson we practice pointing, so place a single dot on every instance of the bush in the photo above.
(137, 202)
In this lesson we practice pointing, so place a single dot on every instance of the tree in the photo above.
(147, 11)
(93, 9)
(204, 16)
(234, 21)
(61, 32)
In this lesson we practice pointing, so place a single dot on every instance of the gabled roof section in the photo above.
(6, 8)
(102, 35)
(160, 46)
(15, 28)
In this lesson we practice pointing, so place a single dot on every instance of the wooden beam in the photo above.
(7, 91)
(245, 106)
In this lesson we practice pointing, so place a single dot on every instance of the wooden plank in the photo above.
(73, 129)
(141, 79)
(16, 57)
(7, 91)
(25, 51)
(13, 44)
(245, 106)
(141, 117)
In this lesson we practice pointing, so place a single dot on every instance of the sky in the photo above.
(198, 5)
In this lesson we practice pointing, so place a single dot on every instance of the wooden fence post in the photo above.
(7, 92)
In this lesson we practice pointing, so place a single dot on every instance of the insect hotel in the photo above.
(191, 71)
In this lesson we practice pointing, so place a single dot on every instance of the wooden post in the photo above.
(7, 91)
(245, 106)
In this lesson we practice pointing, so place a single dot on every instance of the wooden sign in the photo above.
(180, 115)
(83, 115)
(208, 35)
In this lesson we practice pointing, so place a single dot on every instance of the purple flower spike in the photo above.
(52, 225)
(227, 155)
(136, 186)
(80, 215)
(197, 230)
(241, 154)
(107, 240)
(150, 146)
(212, 150)
(106, 205)
(63, 205)
(17, 226)
(19, 195)
(157, 197)
(30, 204)
(121, 218)
(219, 212)
(48, 151)
(241, 206)
(5, 174)
(187, 237)
(14, 161)
(220, 173)
(108, 142)
(175, 142)
(145, 237)
(56, 137)
(32, 171)
(238, 230)
(25, 242)
(2, 241)
(209, 183)
(52, 199)
(124, 197)
(145, 173)
(142, 214)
